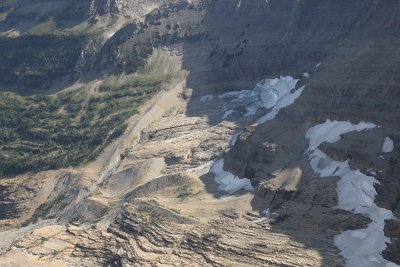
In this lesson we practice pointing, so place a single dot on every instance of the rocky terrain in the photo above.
(157, 195)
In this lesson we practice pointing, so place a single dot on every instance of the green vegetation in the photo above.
(46, 59)
(66, 129)
(70, 128)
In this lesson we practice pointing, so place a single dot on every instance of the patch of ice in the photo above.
(306, 75)
(356, 193)
(227, 181)
(206, 98)
(270, 94)
(283, 102)
(388, 145)
(359, 235)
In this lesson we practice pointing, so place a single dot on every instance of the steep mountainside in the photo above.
(157, 141)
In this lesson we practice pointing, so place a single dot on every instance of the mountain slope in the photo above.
(153, 196)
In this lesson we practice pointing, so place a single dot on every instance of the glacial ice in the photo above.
(284, 101)
(270, 94)
(356, 193)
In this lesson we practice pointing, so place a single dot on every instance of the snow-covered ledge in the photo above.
(356, 193)
(388, 145)
(269, 95)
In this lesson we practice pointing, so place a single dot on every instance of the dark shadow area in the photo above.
(33, 64)
(241, 45)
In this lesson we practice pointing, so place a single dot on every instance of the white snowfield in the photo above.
(286, 97)
(227, 181)
(269, 94)
(356, 193)
(388, 145)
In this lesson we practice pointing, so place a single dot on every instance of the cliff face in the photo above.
(356, 81)
(344, 52)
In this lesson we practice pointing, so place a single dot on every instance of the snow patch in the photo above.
(330, 131)
(111, 34)
(227, 181)
(269, 94)
(388, 145)
(356, 193)
(259, 220)
(266, 213)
